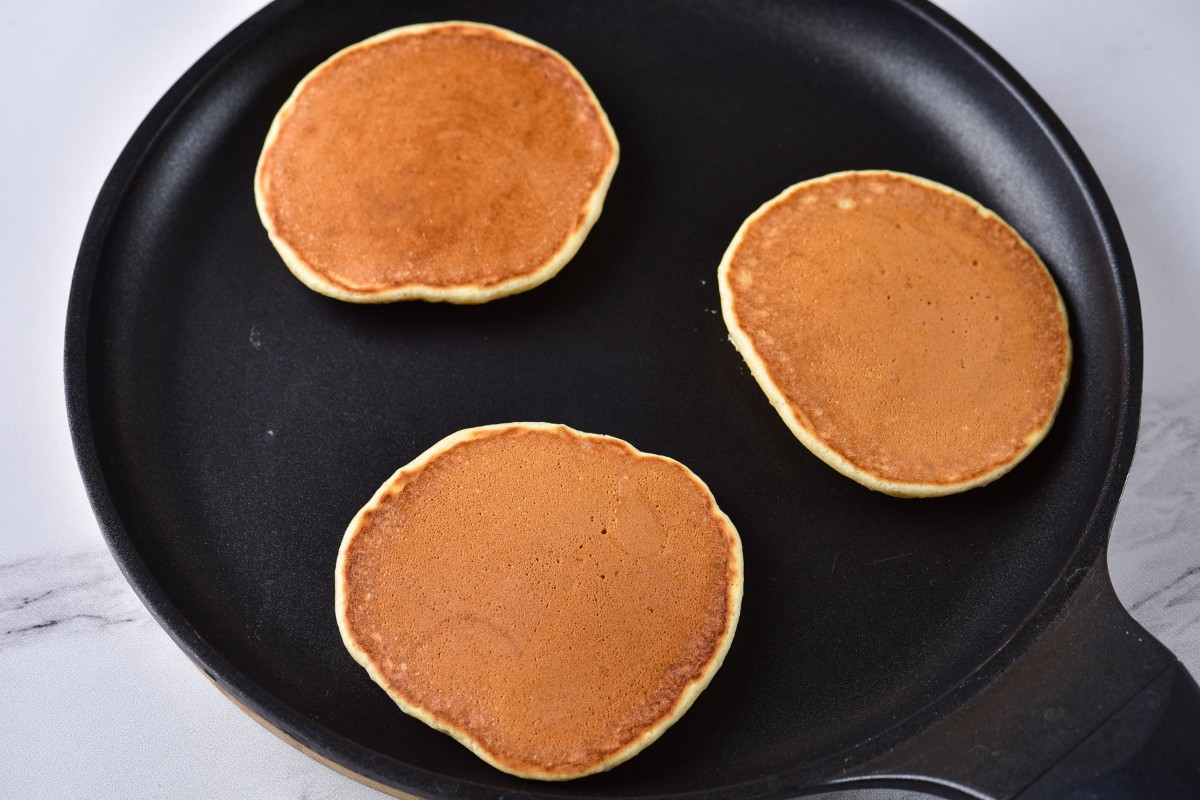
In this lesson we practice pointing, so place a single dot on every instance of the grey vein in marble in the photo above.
(1154, 554)
(52, 594)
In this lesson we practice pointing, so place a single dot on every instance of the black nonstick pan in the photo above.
(229, 422)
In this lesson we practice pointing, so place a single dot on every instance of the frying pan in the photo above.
(228, 422)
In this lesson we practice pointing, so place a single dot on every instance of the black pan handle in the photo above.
(1149, 748)
(1094, 708)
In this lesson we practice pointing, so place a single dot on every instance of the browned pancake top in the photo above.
(444, 156)
(548, 594)
(908, 330)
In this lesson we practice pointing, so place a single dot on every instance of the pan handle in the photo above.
(1149, 748)
(1094, 708)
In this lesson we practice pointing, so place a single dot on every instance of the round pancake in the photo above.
(452, 161)
(552, 599)
(908, 336)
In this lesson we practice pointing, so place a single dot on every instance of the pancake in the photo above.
(552, 599)
(908, 336)
(451, 162)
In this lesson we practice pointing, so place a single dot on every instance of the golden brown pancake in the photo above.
(451, 161)
(552, 599)
(907, 335)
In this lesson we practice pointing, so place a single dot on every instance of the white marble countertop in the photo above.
(98, 702)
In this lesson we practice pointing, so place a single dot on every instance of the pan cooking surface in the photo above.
(235, 420)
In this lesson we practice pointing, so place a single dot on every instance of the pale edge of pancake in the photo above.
(686, 698)
(796, 421)
(467, 293)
